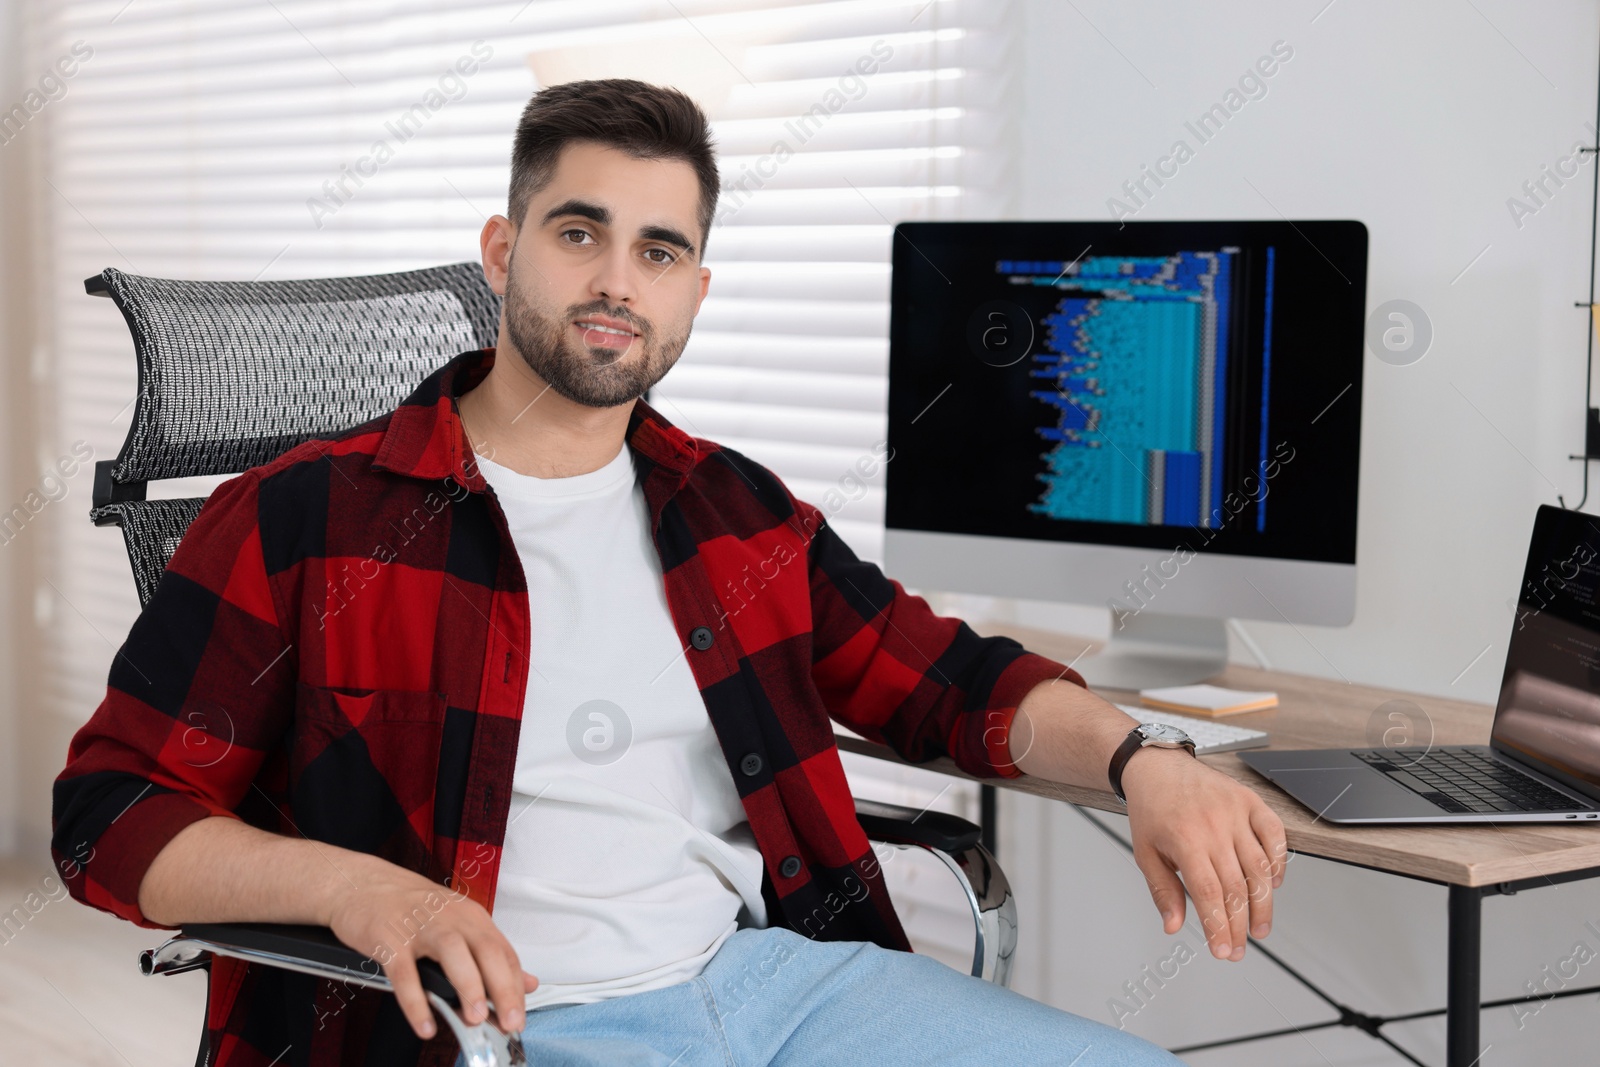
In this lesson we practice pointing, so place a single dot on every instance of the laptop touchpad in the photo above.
(1340, 793)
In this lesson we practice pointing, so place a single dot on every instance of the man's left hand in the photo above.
(1229, 847)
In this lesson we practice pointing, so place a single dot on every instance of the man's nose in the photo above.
(614, 279)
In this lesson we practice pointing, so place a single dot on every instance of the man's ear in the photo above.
(498, 238)
(705, 284)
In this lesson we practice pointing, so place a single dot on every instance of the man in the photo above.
(522, 678)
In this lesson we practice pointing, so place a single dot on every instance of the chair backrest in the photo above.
(234, 374)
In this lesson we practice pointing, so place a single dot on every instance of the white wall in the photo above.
(1421, 120)
(16, 452)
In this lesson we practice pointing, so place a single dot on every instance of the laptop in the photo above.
(1542, 762)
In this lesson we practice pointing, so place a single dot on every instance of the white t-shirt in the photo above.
(628, 858)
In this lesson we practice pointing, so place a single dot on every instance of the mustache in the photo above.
(578, 311)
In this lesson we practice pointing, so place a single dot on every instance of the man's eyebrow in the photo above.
(583, 208)
(602, 215)
(668, 235)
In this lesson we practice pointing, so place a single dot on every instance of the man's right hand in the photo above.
(397, 916)
(221, 869)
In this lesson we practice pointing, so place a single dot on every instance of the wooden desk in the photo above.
(1473, 861)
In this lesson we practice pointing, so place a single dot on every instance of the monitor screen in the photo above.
(1149, 384)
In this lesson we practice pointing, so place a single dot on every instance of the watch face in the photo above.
(1157, 731)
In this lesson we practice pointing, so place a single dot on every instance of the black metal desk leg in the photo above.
(1462, 992)
(989, 818)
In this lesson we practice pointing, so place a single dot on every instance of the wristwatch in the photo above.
(1155, 734)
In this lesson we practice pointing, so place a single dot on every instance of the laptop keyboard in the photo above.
(1467, 780)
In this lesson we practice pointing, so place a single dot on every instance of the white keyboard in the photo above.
(1209, 736)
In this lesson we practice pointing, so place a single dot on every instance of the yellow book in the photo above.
(1209, 701)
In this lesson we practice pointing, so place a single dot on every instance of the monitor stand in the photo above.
(1149, 650)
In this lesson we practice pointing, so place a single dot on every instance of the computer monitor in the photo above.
(1164, 417)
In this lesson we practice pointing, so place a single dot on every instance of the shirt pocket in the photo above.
(364, 768)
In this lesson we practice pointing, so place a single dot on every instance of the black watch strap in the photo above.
(1119, 759)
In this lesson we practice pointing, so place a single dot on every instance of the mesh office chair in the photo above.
(232, 375)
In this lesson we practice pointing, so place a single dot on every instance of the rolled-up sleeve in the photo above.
(895, 672)
(200, 691)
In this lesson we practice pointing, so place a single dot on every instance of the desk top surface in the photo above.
(1324, 713)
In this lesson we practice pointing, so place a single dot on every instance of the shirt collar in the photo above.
(424, 437)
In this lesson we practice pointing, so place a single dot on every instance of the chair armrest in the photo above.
(314, 950)
(958, 844)
(316, 946)
(898, 824)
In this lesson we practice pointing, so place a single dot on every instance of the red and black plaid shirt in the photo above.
(339, 649)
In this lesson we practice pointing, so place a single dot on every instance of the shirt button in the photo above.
(790, 867)
(751, 764)
(700, 638)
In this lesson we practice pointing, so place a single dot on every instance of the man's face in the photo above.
(604, 279)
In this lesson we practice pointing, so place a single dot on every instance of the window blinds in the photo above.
(290, 138)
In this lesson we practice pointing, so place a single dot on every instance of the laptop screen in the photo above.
(1548, 714)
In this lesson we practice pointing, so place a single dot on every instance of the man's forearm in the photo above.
(1065, 733)
(219, 869)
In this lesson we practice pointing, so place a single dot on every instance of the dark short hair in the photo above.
(646, 121)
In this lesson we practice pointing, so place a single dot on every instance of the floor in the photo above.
(70, 989)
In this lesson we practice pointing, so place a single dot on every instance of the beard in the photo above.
(592, 375)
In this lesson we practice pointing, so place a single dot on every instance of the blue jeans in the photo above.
(775, 998)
